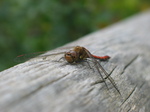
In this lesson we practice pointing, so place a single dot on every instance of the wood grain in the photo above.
(47, 85)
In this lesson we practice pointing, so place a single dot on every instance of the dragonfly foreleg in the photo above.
(62, 58)
(86, 60)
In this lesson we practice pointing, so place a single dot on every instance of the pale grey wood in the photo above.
(45, 85)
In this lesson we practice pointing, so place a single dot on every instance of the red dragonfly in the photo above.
(78, 54)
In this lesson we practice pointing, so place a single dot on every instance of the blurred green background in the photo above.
(28, 26)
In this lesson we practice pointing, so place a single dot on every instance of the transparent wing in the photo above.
(41, 55)
(25, 57)
(98, 66)
(37, 55)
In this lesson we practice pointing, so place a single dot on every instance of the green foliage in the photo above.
(37, 25)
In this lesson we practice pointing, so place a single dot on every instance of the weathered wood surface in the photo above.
(50, 86)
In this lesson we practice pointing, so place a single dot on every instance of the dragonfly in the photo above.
(79, 54)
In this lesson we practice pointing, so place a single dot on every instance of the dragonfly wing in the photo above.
(110, 78)
(25, 57)
(37, 55)
(96, 64)
(107, 75)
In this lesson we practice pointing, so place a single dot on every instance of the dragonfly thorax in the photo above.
(76, 55)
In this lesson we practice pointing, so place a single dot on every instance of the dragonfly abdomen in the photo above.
(102, 58)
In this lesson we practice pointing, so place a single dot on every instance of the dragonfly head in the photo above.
(71, 56)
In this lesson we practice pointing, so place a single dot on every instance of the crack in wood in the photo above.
(32, 92)
(128, 64)
(130, 94)
(129, 109)
(101, 81)
(141, 85)
(46, 84)
(89, 91)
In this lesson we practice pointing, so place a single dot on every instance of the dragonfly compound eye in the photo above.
(71, 56)
(68, 57)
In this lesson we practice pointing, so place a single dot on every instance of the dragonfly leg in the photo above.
(86, 60)
(62, 58)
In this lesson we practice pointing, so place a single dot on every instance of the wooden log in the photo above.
(46, 85)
